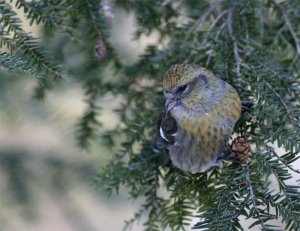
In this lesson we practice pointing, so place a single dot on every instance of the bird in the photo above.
(199, 116)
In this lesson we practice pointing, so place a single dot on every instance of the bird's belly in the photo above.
(198, 149)
(195, 158)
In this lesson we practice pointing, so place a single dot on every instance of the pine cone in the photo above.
(241, 147)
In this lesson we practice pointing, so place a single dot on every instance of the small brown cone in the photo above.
(241, 147)
(100, 49)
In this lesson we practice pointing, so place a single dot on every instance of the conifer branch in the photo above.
(274, 71)
(88, 124)
(199, 23)
(14, 63)
(94, 15)
(9, 43)
(261, 20)
(291, 117)
(252, 197)
(287, 200)
(213, 24)
(233, 39)
(203, 17)
(289, 26)
(287, 165)
(25, 42)
(48, 13)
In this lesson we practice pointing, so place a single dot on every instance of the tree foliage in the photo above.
(254, 45)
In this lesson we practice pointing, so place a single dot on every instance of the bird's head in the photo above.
(187, 85)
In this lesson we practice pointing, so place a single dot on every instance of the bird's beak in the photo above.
(170, 104)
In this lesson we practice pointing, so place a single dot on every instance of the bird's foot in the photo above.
(229, 155)
(246, 104)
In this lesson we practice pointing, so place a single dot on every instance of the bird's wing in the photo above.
(167, 129)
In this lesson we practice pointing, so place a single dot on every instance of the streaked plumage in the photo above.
(200, 113)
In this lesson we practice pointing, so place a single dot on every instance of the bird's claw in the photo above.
(247, 103)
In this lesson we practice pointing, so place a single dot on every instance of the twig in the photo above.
(261, 20)
(287, 165)
(278, 34)
(235, 47)
(57, 23)
(213, 25)
(93, 19)
(289, 26)
(220, 30)
(252, 196)
(216, 38)
(202, 19)
(282, 185)
(274, 72)
(283, 103)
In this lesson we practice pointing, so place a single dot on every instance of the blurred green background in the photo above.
(46, 179)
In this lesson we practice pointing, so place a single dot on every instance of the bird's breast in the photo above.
(217, 120)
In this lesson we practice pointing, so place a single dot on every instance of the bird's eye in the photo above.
(182, 88)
